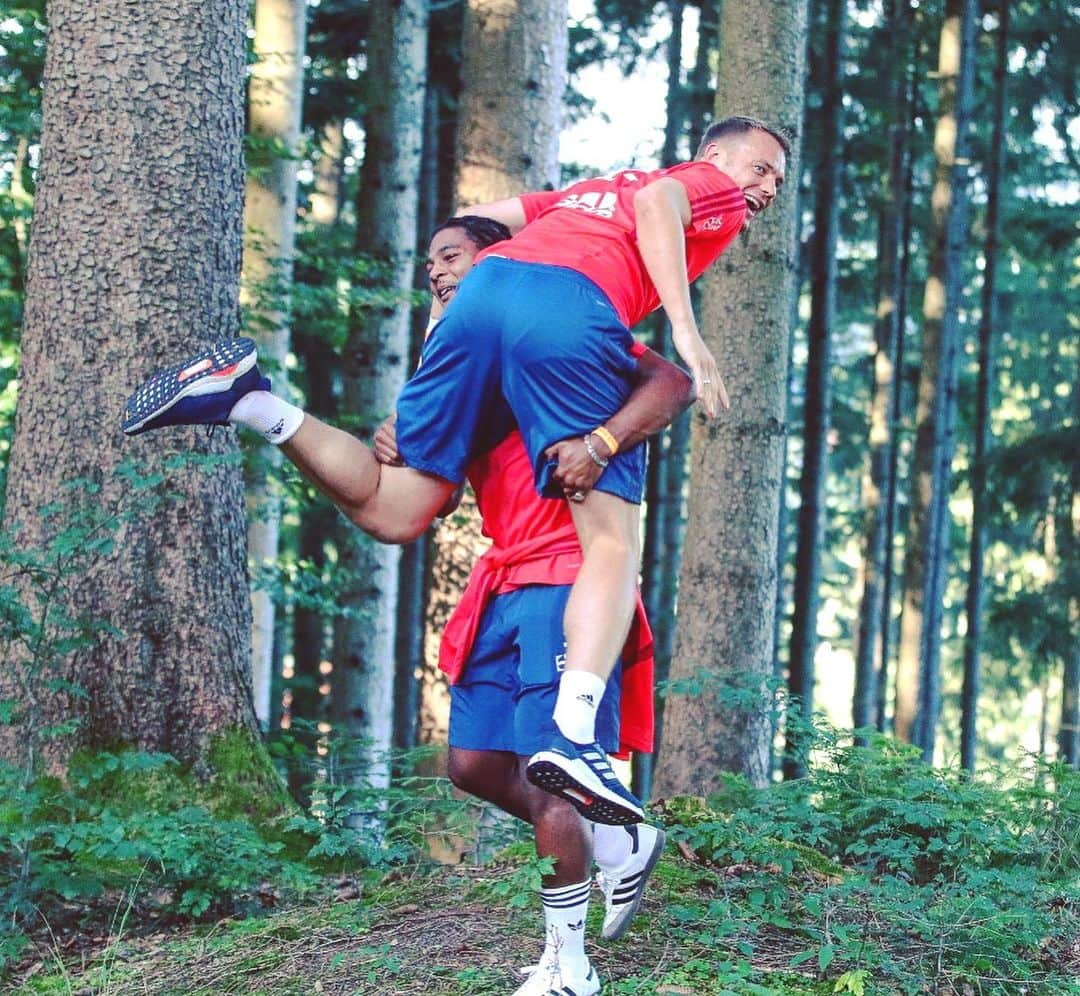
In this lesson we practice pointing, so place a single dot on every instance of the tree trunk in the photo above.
(980, 497)
(674, 124)
(134, 259)
(892, 505)
(663, 496)
(924, 560)
(718, 718)
(376, 362)
(275, 95)
(514, 71)
(701, 93)
(513, 82)
(816, 402)
(873, 610)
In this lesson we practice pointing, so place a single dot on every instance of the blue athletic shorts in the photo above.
(524, 343)
(506, 695)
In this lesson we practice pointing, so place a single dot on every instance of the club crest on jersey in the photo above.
(713, 224)
(592, 202)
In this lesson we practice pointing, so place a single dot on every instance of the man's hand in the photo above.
(710, 388)
(576, 472)
(385, 444)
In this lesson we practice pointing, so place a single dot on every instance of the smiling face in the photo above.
(755, 161)
(450, 257)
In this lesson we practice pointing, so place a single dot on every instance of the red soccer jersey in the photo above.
(590, 227)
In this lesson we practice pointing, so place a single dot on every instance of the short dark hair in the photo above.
(484, 232)
(740, 124)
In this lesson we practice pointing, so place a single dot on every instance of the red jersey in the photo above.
(534, 542)
(590, 227)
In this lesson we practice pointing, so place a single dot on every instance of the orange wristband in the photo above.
(609, 440)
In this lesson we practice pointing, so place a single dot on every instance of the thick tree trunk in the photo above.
(134, 259)
(869, 668)
(376, 363)
(275, 95)
(816, 401)
(513, 81)
(924, 560)
(980, 497)
(718, 719)
(514, 71)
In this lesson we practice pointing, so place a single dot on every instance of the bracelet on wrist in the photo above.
(591, 450)
(609, 440)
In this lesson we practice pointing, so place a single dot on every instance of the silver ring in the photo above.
(577, 496)
(706, 382)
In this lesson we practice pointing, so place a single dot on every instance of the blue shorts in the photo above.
(527, 344)
(506, 695)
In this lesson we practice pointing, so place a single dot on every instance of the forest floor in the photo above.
(452, 932)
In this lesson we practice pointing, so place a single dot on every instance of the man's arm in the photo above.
(662, 213)
(510, 211)
(663, 391)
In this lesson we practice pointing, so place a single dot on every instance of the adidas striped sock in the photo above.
(564, 918)
(267, 414)
(579, 697)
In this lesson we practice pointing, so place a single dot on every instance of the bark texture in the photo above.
(513, 81)
(135, 260)
(275, 97)
(718, 717)
(869, 667)
(919, 668)
(816, 403)
(980, 496)
(376, 359)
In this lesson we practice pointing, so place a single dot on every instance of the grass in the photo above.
(433, 934)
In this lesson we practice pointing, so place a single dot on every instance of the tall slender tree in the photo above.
(376, 359)
(275, 95)
(980, 496)
(134, 257)
(924, 560)
(816, 400)
(662, 544)
(719, 715)
(869, 667)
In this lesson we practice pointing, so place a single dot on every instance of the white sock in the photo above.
(267, 414)
(580, 693)
(564, 918)
(612, 845)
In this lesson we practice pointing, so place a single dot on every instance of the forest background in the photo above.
(869, 568)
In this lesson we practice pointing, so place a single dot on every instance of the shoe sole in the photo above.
(210, 372)
(622, 922)
(594, 803)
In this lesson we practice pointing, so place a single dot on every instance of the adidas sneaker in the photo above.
(201, 390)
(582, 774)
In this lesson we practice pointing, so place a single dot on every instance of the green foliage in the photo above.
(892, 875)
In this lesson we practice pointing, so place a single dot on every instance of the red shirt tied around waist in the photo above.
(589, 227)
(534, 542)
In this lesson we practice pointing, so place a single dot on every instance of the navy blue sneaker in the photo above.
(201, 390)
(581, 774)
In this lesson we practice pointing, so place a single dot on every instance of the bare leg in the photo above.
(601, 605)
(499, 778)
(392, 504)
